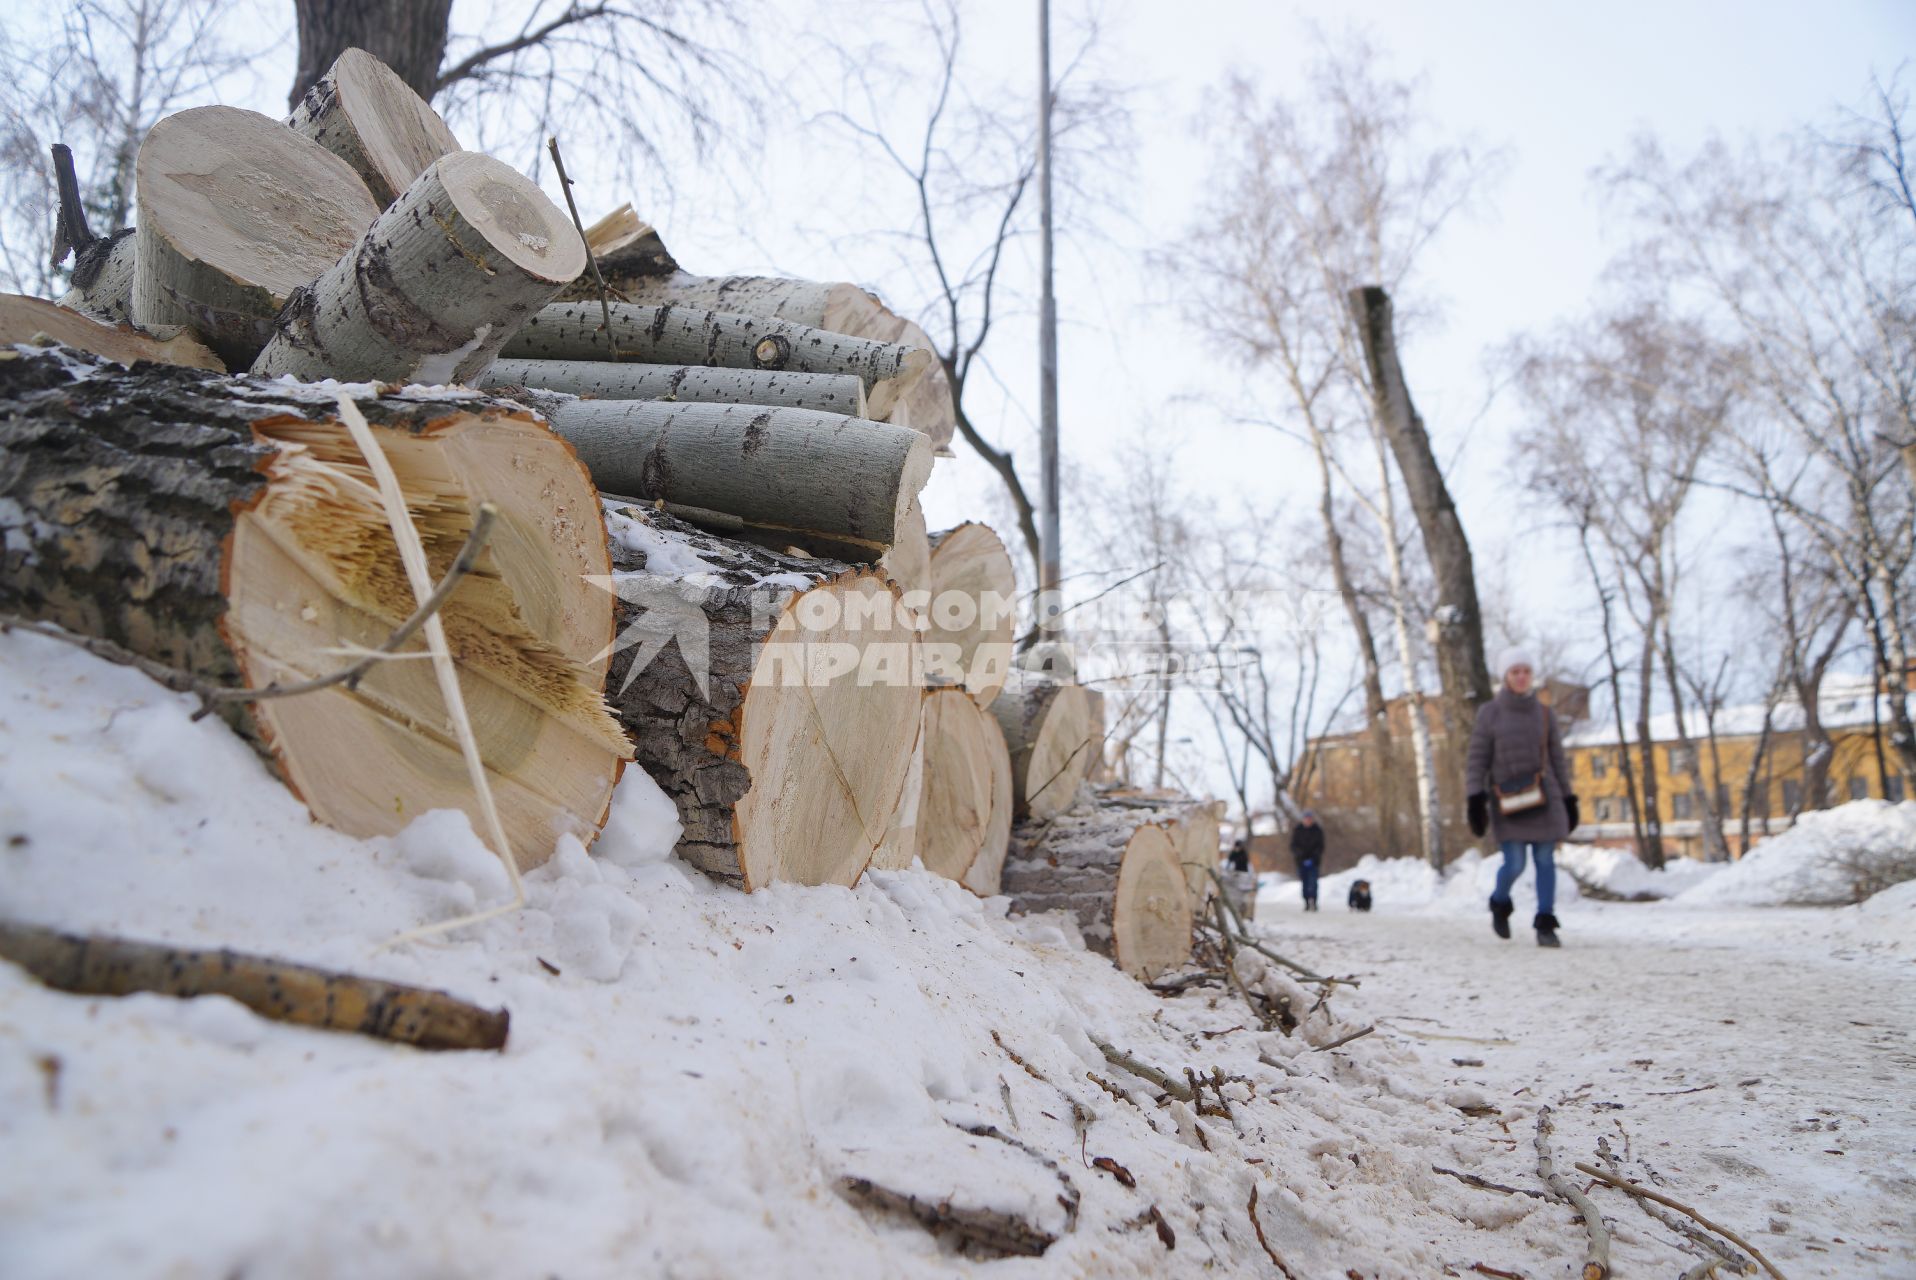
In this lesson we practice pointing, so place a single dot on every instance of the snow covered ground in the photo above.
(693, 1071)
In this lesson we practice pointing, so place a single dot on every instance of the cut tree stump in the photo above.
(771, 697)
(964, 810)
(674, 335)
(686, 383)
(435, 286)
(829, 484)
(1054, 732)
(924, 402)
(974, 597)
(1115, 870)
(236, 212)
(229, 528)
(35, 322)
(362, 112)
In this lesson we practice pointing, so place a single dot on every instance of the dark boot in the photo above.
(1547, 930)
(1500, 917)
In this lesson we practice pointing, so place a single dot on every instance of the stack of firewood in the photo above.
(671, 519)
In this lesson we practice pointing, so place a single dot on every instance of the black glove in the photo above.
(1570, 807)
(1479, 808)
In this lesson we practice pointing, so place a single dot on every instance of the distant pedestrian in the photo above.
(1518, 782)
(1240, 856)
(1307, 850)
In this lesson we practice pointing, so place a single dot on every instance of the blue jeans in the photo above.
(1545, 852)
(1307, 872)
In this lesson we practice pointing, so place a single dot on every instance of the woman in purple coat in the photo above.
(1518, 782)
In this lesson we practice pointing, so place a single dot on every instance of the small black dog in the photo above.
(1360, 895)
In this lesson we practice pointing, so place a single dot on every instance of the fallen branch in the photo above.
(1645, 1192)
(1258, 1225)
(1000, 1233)
(212, 695)
(565, 185)
(1596, 1264)
(275, 989)
(1485, 1184)
(1484, 1269)
(1145, 1071)
(1682, 1226)
(1069, 1200)
(1339, 1043)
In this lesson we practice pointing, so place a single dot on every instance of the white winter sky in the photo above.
(1560, 87)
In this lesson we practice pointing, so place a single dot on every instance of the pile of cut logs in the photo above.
(672, 519)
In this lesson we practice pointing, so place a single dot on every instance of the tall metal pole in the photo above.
(1048, 572)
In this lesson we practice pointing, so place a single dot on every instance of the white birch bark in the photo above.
(362, 112)
(685, 383)
(102, 283)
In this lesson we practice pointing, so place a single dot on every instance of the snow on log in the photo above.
(685, 383)
(35, 322)
(435, 286)
(1192, 825)
(1113, 868)
(771, 697)
(229, 528)
(923, 402)
(974, 599)
(236, 212)
(102, 282)
(964, 809)
(833, 485)
(675, 335)
(1054, 732)
(362, 112)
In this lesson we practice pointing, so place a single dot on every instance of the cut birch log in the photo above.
(270, 987)
(923, 403)
(362, 112)
(627, 247)
(900, 845)
(229, 528)
(1116, 871)
(435, 286)
(236, 212)
(908, 562)
(771, 697)
(964, 810)
(102, 282)
(674, 335)
(35, 322)
(1192, 825)
(974, 597)
(685, 383)
(831, 484)
(1054, 732)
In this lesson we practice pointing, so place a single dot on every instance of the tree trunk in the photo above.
(924, 403)
(671, 335)
(227, 527)
(1651, 849)
(1710, 819)
(409, 37)
(102, 282)
(1054, 732)
(362, 112)
(685, 383)
(771, 697)
(236, 212)
(828, 483)
(1464, 674)
(1116, 870)
(35, 321)
(1616, 686)
(973, 610)
(964, 817)
(435, 286)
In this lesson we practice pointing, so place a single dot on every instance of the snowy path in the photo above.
(1765, 1070)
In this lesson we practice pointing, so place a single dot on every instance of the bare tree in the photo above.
(1316, 197)
(967, 161)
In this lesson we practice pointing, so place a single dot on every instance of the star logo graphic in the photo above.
(666, 610)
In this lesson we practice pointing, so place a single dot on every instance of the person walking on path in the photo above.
(1518, 783)
(1307, 850)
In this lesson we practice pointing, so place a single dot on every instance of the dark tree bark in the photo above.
(407, 35)
(1459, 627)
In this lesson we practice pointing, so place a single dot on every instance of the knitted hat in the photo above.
(1514, 656)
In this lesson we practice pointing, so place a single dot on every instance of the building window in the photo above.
(1682, 759)
(1680, 804)
(1599, 763)
(1893, 789)
(1792, 795)
(1859, 788)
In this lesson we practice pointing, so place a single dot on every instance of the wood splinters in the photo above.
(272, 988)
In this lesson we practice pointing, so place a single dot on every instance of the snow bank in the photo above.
(1819, 861)
(1621, 874)
(691, 1070)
